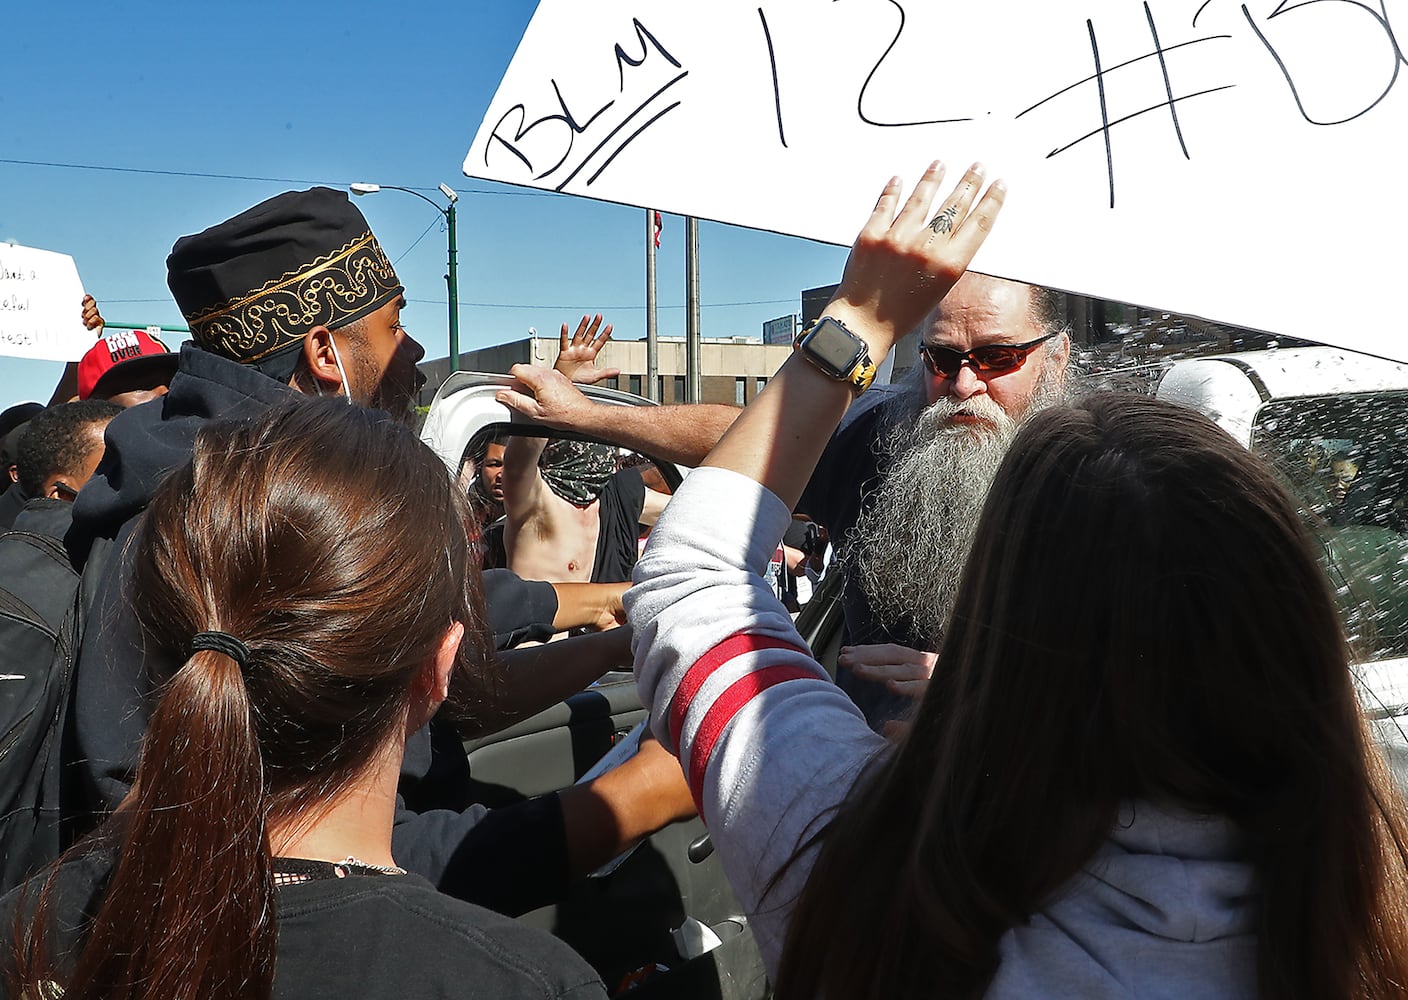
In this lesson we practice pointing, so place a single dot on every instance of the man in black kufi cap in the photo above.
(298, 288)
(292, 297)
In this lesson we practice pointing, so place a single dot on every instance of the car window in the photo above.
(1346, 459)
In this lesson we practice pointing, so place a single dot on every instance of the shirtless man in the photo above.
(570, 515)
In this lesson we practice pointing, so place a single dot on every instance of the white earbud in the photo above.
(341, 370)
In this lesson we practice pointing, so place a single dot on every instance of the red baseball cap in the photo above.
(130, 350)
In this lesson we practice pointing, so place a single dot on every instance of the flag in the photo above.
(659, 225)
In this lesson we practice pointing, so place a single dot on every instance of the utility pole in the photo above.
(694, 390)
(652, 329)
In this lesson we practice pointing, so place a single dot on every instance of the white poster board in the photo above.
(1234, 161)
(41, 301)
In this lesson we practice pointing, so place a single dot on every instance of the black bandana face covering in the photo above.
(577, 471)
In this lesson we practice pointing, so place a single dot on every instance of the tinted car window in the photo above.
(1346, 459)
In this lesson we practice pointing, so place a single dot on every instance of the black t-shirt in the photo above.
(362, 936)
(618, 540)
(847, 476)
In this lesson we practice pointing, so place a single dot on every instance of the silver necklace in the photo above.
(384, 869)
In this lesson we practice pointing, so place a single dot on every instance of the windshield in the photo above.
(1346, 459)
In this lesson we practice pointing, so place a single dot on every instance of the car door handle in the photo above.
(699, 848)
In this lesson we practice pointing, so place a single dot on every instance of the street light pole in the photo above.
(452, 272)
(453, 284)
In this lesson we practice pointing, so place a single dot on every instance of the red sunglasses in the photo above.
(994, 359)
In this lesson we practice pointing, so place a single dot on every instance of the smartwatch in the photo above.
(838, 353)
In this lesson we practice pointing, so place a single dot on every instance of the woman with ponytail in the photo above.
(307, 600)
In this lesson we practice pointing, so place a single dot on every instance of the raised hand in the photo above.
(576, 356)
(902, 264)
(92, 320)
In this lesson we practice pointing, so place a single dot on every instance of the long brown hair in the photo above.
(331, 542)
(1142, 617)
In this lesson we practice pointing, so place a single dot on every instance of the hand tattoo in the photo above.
(943, 222)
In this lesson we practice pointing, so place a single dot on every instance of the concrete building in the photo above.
(1114, 341)
(731, 370)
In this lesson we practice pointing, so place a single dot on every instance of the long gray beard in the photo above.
(908, 547)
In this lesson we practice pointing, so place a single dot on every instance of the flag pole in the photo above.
(652, 331)
(693, 392)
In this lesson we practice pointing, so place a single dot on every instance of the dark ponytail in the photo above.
(203, 871)
(330, 545)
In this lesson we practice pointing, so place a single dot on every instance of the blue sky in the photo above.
(328, 93)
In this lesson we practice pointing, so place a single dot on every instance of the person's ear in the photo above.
(443, 663)
(432, 683)
(323, 366)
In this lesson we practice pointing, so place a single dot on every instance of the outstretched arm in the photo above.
(534, 678)
(589, 605)
(613, 812)
(680, 434)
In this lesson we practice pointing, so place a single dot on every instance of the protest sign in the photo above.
(40, 305)
(1234, 161)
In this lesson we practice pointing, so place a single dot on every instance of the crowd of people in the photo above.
(1055, 761)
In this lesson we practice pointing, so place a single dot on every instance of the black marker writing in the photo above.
(1168, 87)
(8, 273)
(1110, 69)
(776, 91)
(860, 100)
(612, 134)
(1109, 76)
(1380, 18)
(1104, 111)
(629, 139)
(546, 145)
(642, 36)
(522, 130)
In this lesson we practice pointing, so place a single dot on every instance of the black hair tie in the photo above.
(222, 642)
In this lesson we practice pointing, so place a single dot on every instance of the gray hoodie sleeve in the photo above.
(769, 744)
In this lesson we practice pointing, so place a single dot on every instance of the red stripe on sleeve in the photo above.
(722, 711)
(695, 676)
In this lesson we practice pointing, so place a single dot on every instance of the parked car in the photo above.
(669, 898)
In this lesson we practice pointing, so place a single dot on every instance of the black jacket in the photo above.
(12, 501)
(513, 859)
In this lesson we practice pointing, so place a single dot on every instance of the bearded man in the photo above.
(903, 480)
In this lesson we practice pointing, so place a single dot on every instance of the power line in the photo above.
(417, 240)
(246, 177)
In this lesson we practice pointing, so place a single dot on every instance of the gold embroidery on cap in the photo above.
(330, 291)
